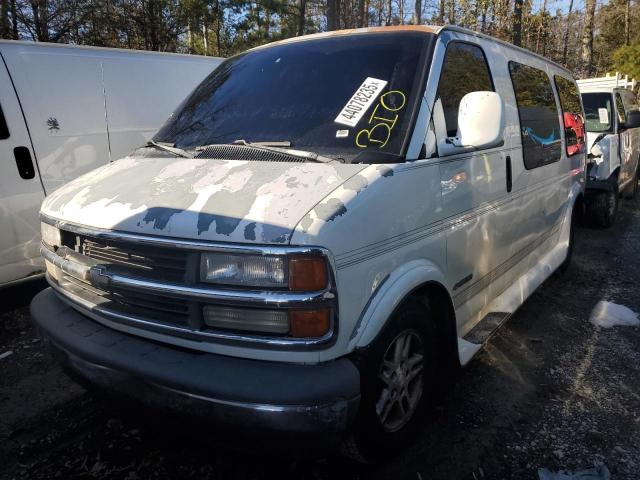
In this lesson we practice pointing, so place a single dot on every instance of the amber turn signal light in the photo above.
(309, 323)
(307, 274)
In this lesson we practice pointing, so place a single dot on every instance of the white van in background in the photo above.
(65, 110)
(613, 142)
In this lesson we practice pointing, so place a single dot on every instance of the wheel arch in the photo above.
(420, 280)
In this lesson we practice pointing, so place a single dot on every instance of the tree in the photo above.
(5, 25)
(52, 20)
(333, 11)
(541, 28)
(565, 41)
(587, 38)
(302, 16)
(517, 23)
(627, 22)
(625, 60)
(417, 12)
(363, 13)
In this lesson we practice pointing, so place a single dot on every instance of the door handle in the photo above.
(509, 180)
(24, 162)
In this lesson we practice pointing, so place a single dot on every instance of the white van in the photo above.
(65, 110)
(326, 227)
(613, 141)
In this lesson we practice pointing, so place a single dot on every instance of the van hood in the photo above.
(201, 199)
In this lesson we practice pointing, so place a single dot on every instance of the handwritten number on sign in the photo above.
(382, 120)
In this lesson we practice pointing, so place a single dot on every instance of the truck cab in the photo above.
(613, 142)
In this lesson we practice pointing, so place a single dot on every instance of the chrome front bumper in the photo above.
(273, 396)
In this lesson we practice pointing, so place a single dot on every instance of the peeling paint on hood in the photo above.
(216, 200)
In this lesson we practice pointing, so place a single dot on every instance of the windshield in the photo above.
(336, 96)
(597, 109)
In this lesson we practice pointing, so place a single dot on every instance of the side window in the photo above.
(620, 108)
(629, 100)
(4, 129)
(464, 70)
(539, 125)
(572, 116)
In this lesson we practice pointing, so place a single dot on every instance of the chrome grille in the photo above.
(170, 311)
(153, 263)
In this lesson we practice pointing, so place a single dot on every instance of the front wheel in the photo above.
(603, 207)
(398, 374)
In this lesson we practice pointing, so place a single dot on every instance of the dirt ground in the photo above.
(549, 390)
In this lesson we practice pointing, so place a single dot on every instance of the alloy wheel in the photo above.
(402, 375)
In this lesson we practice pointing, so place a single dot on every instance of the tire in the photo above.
(396, 387)
(572, 232)
(603, 207)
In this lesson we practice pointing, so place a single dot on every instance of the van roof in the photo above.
(32, 44)
(434, 29)
(455, 28)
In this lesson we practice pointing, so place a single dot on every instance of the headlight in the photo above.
(50, 235)
(297, 272)
(255, 270)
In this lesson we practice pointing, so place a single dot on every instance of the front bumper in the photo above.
(238, 393)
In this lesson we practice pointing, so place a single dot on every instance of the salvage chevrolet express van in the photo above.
(325, 227)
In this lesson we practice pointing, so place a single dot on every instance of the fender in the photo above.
(400, 283)
(574, 193)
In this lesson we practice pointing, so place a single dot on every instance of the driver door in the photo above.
(475, 196)
(629, 138)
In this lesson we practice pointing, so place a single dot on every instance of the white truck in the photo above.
(65, 110)
(613, 142)
(327, 227)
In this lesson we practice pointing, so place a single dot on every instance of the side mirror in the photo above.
(480, 120)
(632, 119)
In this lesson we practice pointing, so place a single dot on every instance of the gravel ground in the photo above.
(549, 390)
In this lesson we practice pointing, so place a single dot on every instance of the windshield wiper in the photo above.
(178, 152)
(283, 144)
(282, 147)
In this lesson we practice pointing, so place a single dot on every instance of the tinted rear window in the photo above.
(295, 92)
(629, 100)
(538, 112)
(572, 116)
